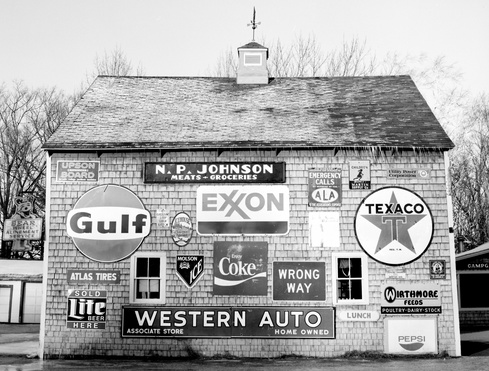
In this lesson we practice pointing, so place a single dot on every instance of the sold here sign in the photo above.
(243, 210)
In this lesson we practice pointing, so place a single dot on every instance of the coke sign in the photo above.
(240, 268)
(108, 223)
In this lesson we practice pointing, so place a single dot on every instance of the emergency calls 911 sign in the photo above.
(243, 210)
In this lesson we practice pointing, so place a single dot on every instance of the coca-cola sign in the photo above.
(240, 268)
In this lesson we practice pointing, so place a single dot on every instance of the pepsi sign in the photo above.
(108, 223)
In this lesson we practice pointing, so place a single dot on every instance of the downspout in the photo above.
(47, 215)
(453, 265)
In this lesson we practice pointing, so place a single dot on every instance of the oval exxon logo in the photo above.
(108, 223)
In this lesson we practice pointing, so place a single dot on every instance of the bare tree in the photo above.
(27, 118)
(470, 175)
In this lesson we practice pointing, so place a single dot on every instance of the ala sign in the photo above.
(243, 210)
(108, 223)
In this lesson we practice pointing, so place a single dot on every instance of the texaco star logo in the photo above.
(394, 226)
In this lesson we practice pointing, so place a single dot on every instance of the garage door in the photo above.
(5, 302)
(32, 303)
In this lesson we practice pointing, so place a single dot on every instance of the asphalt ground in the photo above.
(19, 346)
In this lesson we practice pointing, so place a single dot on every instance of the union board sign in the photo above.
(77, 171)
(214, 172)
(243, 210)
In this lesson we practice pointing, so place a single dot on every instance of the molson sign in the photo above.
(394, 226)
(108, 223)
(240, 268)
(231, 210)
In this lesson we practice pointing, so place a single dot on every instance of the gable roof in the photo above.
(185, 113)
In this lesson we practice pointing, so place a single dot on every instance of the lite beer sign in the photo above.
(215, 172)
(86, 309)
(108, 223)
(394, 226)
(239, 322)
(243, 210)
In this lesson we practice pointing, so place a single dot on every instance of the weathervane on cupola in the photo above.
(254, 24)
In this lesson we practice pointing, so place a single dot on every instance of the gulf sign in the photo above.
(108, 223)
(243, 210)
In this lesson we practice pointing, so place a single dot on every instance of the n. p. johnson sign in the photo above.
(232, 210)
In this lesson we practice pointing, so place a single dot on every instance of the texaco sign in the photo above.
(394, 226)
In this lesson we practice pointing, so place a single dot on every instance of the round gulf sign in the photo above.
(394, 226)
(108, 223)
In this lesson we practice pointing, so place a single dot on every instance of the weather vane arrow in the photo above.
(254, 24)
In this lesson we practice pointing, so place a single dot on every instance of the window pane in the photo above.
(356, 267)
(356, 289)
(154, 289)
(154, 267)
(141, 267)
(343, 289)
(470, 290)
(343, 268)
(142, 288)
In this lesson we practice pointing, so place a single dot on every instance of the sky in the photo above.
(53, 43)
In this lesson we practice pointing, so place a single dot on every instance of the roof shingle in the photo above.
(168, 113)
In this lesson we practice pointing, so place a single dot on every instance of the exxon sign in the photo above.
(251, 210)
(108, 223)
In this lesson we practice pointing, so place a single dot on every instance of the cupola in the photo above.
(252, 61)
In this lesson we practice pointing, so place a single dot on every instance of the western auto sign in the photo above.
(214, 172)
(77, 171)
(243, 210)
(410, 335)
(108, 223)
(394, 226)
(410, 298)
(190, 268)
(325, 187)
(299, 280)
(219, 322)
(240, 268)
(86, 309)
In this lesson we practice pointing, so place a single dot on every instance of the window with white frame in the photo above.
(350, 279)
(148, 278)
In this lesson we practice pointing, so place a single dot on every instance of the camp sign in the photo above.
(229, 322)
(77, 171)
(325, 187)
(214, 172)
(243, 210)
(299, 280)
(394, 226)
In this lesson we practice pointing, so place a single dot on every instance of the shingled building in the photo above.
(255, 217)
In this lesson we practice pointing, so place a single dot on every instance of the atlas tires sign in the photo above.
(108, 223)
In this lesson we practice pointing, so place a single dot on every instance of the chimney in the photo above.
(252, 64)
